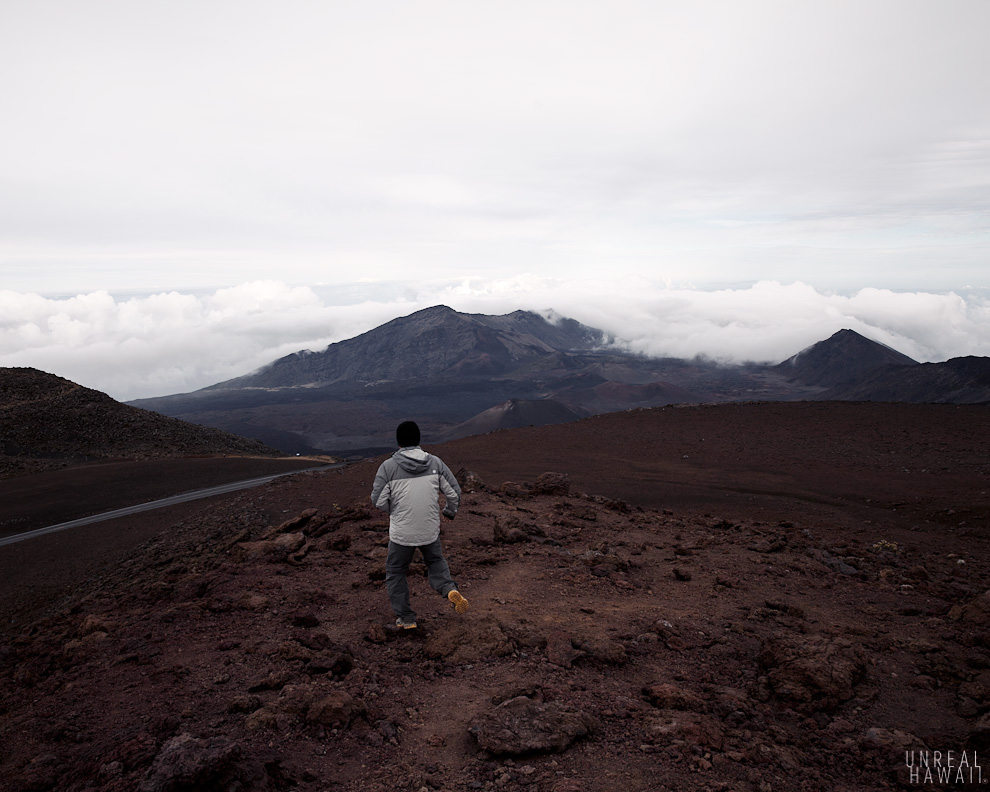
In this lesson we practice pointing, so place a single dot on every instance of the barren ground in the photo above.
(733, 597)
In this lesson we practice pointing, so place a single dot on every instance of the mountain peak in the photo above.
(430, 344)
(843, 357)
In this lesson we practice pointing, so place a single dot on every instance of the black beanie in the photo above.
(407, 434)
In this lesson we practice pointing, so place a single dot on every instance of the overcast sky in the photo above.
(191, 189)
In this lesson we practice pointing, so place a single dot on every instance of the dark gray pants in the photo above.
(397, 567)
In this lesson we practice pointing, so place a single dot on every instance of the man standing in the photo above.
(407, 487)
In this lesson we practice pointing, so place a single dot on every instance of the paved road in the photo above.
(157, 504)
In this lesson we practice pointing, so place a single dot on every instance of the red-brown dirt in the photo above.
(735, 597)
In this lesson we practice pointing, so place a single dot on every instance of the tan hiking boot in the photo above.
(460, 604)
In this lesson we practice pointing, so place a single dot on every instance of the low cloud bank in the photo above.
(174, 342)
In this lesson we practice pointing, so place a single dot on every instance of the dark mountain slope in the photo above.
(46, 421)
(435, 343)
(962, 380)
(843, 358)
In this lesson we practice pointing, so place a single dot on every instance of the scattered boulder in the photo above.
(667, 696)
(92, 624)
(976, 611)
(551, 484)
(186, 763)
(509, 530)
(265, 718)
(339, 542)
(287, 544)
(561, 650)
(376, 634)
(603, 652)
(337, 709)
(335, 662)
(296, 699)
(814, 673)
(469, 480)
(296, 523)
(244, 703)
(833, 562)
(523, 725)
(306, 619)
(280, 549)
(772, 544)
(677, 727)
(511, 489)
(462, 641)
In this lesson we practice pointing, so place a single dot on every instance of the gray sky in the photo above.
(189, 189)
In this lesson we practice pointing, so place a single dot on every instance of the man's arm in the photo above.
(381, 491)
(451, 491)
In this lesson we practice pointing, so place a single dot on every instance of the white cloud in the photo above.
(733, 177)
(173, 342)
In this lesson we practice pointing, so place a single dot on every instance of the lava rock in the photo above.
(523, 725)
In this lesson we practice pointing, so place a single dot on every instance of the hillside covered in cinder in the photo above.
(963, 380)
(741, 597)
(48, 422)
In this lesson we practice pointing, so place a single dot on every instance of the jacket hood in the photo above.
(412, 460)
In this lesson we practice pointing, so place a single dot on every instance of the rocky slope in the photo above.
(964, 380)
(740, 598)
(47, 421)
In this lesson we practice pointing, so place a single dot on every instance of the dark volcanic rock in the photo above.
(751, 675)
(523, 725)
(187, 764)
(813, 672)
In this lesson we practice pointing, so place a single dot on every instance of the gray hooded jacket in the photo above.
(407, 487)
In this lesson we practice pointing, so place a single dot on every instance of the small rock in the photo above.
(668, 696)
(185, 762)
(469, 480)
(551, 484)
(306, 619)
(691, 727)
(976, 611)
(509, 530)
(336, 709)
(297, 522)
(376, 634)
(561, 651)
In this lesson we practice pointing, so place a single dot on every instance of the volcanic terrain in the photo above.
(745, 597)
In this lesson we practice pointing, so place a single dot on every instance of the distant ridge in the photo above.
(435, 343)
(843, 358)
(962, 380)
(47, 421)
